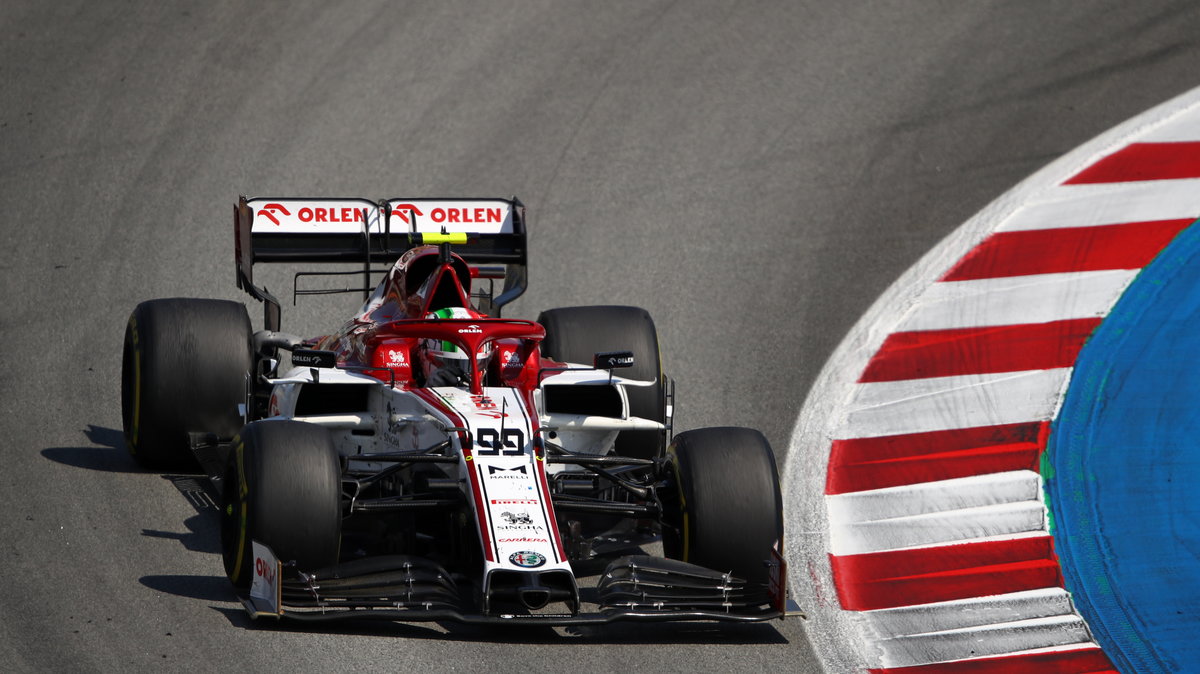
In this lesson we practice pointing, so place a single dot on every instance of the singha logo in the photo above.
(522, 518)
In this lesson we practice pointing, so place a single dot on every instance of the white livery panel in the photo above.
(508, 479)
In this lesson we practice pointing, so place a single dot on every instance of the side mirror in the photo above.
(611, 360)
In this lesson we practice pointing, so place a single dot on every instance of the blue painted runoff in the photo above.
(1122, 470)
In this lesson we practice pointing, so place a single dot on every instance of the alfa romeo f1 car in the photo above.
(430, 460)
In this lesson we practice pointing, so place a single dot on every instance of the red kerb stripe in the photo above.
(921, 576)
(1081, 661)
(1003, 348)
(1144, 161)
(1069, 249)
(859, 464)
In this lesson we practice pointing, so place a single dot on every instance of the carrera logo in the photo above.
(522, 539)
(268, 211)
(514, 501)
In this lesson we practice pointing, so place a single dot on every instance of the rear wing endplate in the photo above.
(341, 230)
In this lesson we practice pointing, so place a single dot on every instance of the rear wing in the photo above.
(341, 230)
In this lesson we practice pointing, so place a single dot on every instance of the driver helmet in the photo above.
(445, 363)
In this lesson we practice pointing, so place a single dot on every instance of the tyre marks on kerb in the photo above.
(937, 531)
(1018, 299)
(944, 403)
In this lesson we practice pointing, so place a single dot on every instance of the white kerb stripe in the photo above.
(934, 497)
(1184, 127)
(1005, 520)
(944, 403)
(974, 612)
(1107, 204)
(1017, 300)
(975, 642)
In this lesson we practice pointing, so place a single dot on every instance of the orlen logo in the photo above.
(268, 211)
(465, 215)
(401, 211)
(471, 329)
(344, 214)
(451, 215)
(264, 570)
(318, 214)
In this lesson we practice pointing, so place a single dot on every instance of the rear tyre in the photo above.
(577, 334)
(282, 488)
(725, 512)
(183, 369)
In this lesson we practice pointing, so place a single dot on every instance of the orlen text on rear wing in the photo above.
(340, 230)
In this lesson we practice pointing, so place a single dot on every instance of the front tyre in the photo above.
(183, 369)
(282, 488)
(723, 509)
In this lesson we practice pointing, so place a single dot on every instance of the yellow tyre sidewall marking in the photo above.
(674, 459)
(243, 491)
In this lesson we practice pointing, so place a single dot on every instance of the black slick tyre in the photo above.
(282, 488)
(576, 334)
(184, 369)
(724, 510)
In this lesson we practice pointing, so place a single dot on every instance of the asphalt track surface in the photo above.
(753, 174)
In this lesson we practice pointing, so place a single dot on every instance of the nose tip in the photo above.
(534, 598)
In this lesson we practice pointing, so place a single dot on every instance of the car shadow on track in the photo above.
(203, 535)
(107, 453)
(204, 588)
(619, 633)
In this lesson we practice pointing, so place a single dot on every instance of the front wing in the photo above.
(414, 589)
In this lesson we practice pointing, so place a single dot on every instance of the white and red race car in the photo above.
(429, 460)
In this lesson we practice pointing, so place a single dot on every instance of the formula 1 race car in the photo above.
(429, 460)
